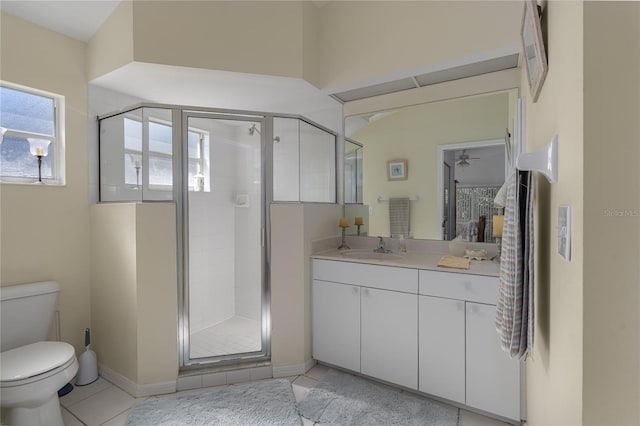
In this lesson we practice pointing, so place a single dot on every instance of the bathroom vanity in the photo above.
(405, 321)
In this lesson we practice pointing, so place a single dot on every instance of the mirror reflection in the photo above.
(352, 172)
(431, 171)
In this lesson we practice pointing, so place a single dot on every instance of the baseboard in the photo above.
(134, 389)
(293, 370)
(309, 364)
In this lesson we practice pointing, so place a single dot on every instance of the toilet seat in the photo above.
(34, 362)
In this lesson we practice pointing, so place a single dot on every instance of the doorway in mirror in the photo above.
(472, 174)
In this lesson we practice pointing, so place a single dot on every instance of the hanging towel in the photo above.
(514, 311)
(501, 197)
(399, 216)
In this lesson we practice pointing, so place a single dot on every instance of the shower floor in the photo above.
(232, 336)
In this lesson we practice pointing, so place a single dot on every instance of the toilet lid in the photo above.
(34, 359)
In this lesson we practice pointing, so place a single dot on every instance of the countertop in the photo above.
(414, 259)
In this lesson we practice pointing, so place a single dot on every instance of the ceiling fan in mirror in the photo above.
(462, 160)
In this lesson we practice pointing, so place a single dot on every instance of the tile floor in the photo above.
(102, 403)
(233, 336)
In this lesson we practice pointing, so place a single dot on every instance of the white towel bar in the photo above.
(544, 161)
(382, 199)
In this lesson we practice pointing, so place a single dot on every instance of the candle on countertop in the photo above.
(39, 151)
(137, 164)
(358, 221)
(498, 225)
(344, 222)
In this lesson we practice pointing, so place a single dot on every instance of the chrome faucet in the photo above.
(381, 248)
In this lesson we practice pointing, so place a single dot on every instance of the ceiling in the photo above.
(79, 19)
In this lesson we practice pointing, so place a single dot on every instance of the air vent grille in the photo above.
(449, 74)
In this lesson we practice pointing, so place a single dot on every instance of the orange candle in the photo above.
(344, 222)
(358, 221)
(498, 225)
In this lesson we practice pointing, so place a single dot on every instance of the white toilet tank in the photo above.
(26, 313)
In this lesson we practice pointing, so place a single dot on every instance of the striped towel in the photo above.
(399, 216)
(514, 311)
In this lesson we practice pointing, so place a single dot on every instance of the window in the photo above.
(27, 113)
(160, 156)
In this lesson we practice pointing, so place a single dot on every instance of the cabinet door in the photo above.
(336, 324)
(390, 336)
(441, 347)
(493, 379)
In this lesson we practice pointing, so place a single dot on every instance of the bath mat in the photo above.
(345, 399)
(260, 403)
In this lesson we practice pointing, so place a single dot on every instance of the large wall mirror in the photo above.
(431, 171)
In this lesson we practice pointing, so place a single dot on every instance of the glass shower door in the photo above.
(224, 298)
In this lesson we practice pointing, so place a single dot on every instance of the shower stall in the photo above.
(222, 168)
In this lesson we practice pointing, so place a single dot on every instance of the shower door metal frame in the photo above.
(181, 196)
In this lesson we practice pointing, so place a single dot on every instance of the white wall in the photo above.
(133, 291)
(286, 160)
(112, 45)
(248, 226)
(45, 229)
(294, 227)
(555, 369)
(611, 228)
(224, 246)
(211, 236)
(367, 41)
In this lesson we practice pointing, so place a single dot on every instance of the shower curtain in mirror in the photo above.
(514, 312)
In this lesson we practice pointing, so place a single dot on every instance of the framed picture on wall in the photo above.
(397, 170)
(535, 57)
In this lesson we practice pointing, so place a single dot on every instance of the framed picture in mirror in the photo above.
(535, 58)
(397, 170)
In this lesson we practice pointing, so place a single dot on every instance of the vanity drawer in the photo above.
(375, 276)
(473, 288)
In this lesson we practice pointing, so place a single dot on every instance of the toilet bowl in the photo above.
(32, 369)
(30, 378)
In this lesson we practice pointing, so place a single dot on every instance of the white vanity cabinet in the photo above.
(465, 340)
(442, 347)
(493, 379)
(336, 323)
(389, 336)
(365, 319)
(433, 331)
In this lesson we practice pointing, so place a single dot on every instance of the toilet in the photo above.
(31, 368)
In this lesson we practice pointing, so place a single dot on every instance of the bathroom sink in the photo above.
(369, 254)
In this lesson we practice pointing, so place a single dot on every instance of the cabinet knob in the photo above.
(354, 290)
(365, 292)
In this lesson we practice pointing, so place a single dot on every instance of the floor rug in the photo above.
(344, 399)
(260, 403)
